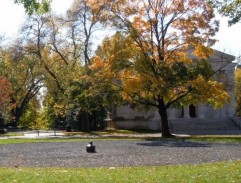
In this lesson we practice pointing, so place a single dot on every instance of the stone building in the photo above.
(128, 118)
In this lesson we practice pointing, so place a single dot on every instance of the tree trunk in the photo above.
(16, 114)
(164, 121)
(85, 121)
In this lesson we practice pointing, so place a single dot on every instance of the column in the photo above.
(172, 113)
(186, 113)
(201, 111)
(232, 104)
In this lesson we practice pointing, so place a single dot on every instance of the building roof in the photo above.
(217, 56)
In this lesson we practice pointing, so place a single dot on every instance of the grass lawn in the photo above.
(11, 134)
(211, 172)
(40, 140)
(221, 138)
(112, 132)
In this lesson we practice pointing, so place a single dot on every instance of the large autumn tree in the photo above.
(149, 59)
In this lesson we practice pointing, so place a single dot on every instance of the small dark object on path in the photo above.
(90, 148)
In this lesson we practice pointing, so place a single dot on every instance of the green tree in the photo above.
(29, 117)
(63, 47)
(26, 78)
(5, 99)
(31, 6)
(229, 8)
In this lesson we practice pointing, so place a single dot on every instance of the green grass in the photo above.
(40, 140)
(215, 138)
(111, 132)
(211, 172)
(11, 134)
(220, 139)
(49, 140)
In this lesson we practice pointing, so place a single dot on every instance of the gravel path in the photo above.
(114, 153)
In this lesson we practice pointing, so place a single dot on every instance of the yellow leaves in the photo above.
(135, 84)
(141, 25)
(218, 96)
(60, 109)
(202, 52)
(102, 69)
(97, 63)
(211, 91)
(177, 56)
(237, 90)
(96, 4)
(130, 81)
(200, 84)
(238, 76)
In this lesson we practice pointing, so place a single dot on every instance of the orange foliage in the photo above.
(156, 35)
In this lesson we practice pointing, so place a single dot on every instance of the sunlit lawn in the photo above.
(220, 138)
(212, 172)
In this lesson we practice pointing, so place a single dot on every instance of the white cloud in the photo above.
(229, 38)
(11, 17)
(60, 6)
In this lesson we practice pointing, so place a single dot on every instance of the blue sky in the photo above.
(12, 16)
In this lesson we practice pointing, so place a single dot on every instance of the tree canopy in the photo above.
(229, 8)
(32, 6)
